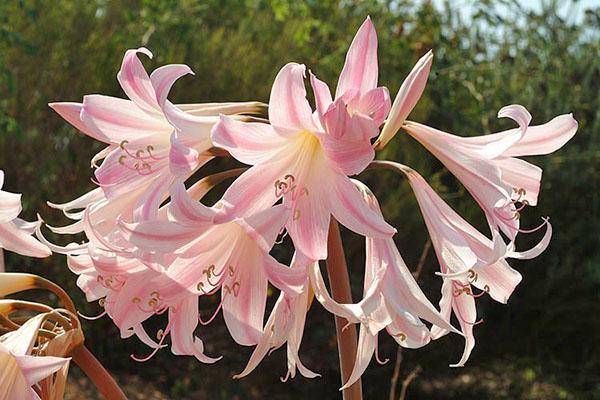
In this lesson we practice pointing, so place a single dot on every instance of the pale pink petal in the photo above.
(340, 124)
(309, 223)
(499, 280)
(375, 104)
(350, 209)
(71, 112)
(113, 120)
(289, 280)
(538, 248)
(184, 319)
(364, 352)
(183, 160)
(521, 175)
(164, 77)
(34, 369)
(322, 94)
(248, 142)
(244, 305)
(445, 309)
(351, 157)
(546, 138)
(264, 226)
(14, 239)
(410, 92)
(160, 236)
(409, 332)
(464, 308)
(400, 289)
(10, 206)
(135, 81)
(360, 70)
(288, 107)
(185, 210)
(147, 205)
(253, 191)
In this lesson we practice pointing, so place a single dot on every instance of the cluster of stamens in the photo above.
(154, 302)
(287, 186)
(141, 159)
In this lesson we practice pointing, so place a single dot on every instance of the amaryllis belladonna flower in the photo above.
(15, 234)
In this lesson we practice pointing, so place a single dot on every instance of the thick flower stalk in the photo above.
(155, 248)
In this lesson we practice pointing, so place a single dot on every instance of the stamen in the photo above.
(236, 288)
(401, 336)
(285, 379)
(535, 229)
(204, 323)
(459, 315)
(102, 314)
(163, 334)
(296, 215)
(377, 354)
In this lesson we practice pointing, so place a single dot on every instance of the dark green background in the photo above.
(543, 344)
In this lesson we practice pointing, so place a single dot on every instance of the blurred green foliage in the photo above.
(61, 50)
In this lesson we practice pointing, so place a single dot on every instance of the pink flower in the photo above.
(15, 234)
(467, 258)
(392, 300)
(488, 167)
(20, 370)
(151, 141)
(306, 159)
(285, 325)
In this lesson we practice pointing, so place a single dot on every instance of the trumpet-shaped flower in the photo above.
(151, 140)
(20, 370)
(285, 325)
(15, 234)
(467, 258)
(306, 159)
(233, 257)
(392, 300)
(488, 165)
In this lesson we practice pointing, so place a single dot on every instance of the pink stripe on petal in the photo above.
(360, 69)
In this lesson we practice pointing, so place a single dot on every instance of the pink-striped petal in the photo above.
(135, 81)
(249, 142)
(409, 93)
(288, 107)
(360, 70)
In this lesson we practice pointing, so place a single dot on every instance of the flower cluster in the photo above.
(154, 248)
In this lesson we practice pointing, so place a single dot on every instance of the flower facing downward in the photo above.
(306, 160)
(392, 300)
(15, 234)
(488, 167)
(467, 259)
(20, 370)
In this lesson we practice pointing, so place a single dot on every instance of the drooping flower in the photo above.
(233, 256)
(488, 165)
(392, 300)
(467, 258)
(15, 234)
(285, 326)
(151, 140)
(306, 159)
(20, 370)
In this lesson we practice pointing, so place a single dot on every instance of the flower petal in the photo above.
(364, 353)
(322, 94)
(498, 279)
(34, 369)
(360, 70)
(350, 209)
(409, 93)
(288, 107)
(248, 142)
(14, 239)
(184, 319)
(135, 81)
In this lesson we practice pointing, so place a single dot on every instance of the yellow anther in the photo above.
(136, 300)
